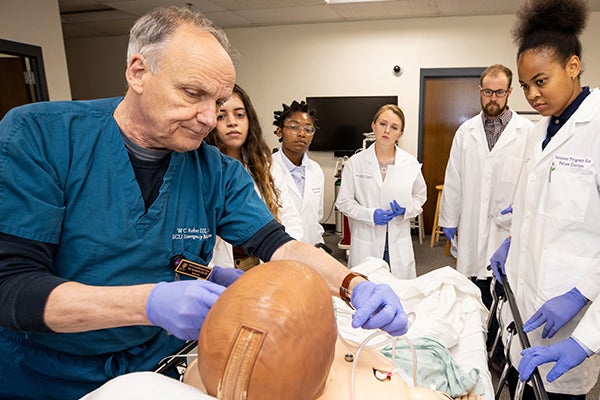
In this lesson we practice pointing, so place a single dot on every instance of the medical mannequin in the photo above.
(298, 357)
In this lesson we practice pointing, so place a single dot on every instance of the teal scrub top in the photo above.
(66, 179)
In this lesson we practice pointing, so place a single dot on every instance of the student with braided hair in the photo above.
(553, 258)
(296, 125)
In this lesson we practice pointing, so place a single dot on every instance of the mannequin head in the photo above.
(271, 334)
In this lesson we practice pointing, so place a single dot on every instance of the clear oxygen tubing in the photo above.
(390, 339)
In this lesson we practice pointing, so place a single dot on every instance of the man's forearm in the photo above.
(73, 307)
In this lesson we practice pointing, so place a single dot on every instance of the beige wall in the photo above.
(278, 64)
(37, 22)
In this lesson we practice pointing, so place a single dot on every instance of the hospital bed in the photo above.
(447, 308)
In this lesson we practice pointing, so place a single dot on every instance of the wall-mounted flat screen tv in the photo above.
(343, 120)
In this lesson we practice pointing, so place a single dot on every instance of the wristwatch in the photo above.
(345, 293)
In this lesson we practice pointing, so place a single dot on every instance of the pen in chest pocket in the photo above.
(552, 168)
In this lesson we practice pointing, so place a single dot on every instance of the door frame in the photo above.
(34, 54)
(426, 73)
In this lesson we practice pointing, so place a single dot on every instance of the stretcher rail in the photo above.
(536, 378)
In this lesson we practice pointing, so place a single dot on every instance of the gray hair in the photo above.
(151, 32)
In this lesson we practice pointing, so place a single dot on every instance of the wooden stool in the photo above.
(417, 223)
(436, 230)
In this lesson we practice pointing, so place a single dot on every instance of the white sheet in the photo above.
(447, 306)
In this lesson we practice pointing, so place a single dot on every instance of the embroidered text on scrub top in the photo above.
(298, 172)
(495, 126)
(557, 122)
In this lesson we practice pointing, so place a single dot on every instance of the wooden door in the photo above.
(449, 97)
(13, 90)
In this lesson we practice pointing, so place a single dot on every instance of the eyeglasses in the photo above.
(309, 130)
(490, 92)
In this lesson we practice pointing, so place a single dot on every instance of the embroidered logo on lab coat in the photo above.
(571, 162)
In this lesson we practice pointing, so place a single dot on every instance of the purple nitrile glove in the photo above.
(224, 276)
(180, 307)
(567, 354)
(556, 312)
(507, 210)
(396, 209)
(382, 217)
(449, 233)
(378, 307)
(498, 259)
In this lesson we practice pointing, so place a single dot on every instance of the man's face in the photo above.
(494, 105)
(178, 105)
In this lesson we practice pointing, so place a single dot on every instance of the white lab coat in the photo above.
(287, 215)
(480, 183)
(309, 206)
(556, 231)
(587, 330)
(362, 191)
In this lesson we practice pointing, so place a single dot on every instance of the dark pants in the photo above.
(513, 380)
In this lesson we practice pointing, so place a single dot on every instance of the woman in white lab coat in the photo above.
(553, 264)
(238, 135)
(382, 188)
(302, 177)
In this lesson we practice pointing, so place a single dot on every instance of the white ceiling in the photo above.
(100, 18)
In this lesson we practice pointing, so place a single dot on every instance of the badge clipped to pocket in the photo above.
(190, 268)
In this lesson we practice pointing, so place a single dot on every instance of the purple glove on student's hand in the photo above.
(180, 307)
(498, 259)
(556, 312)
(378, 307)
(568, 354)
(449, 233)
(396, 209)
(382, 217)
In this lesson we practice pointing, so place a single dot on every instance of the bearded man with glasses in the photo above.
(481, 175)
